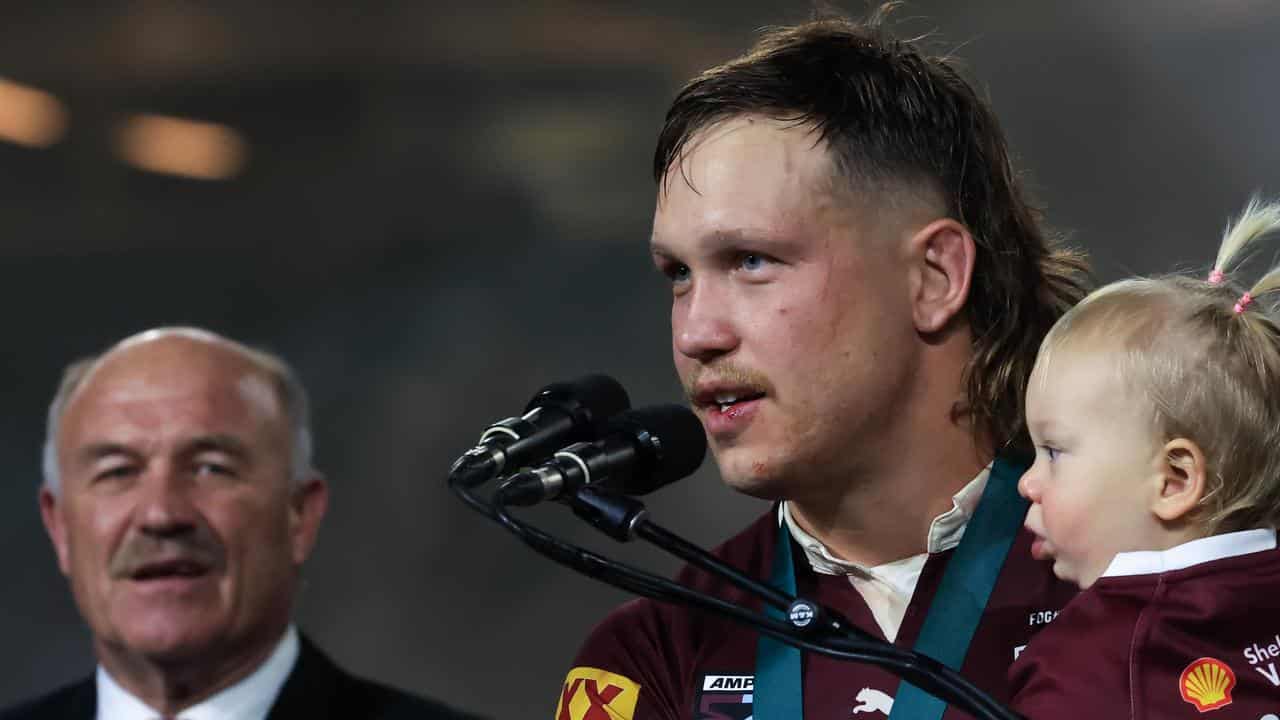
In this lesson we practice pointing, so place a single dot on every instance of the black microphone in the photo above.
(638, 452)
(558, 414)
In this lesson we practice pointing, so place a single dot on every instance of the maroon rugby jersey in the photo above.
(655, 661)
(1202, 640)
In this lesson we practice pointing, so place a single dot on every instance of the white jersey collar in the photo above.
(1214, 547)
(945, 530)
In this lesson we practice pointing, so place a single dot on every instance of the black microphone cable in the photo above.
(922, 671)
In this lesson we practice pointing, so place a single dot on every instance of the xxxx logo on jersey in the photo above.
(1207, 683)
(594, 694)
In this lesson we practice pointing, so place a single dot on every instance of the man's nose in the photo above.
(166, 506)
(702, 326)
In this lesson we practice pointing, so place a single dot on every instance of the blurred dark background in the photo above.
(433, 209)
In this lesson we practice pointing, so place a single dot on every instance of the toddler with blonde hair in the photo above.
(1154, 407)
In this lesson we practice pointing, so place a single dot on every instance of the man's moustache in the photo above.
(140, 551)
(725, 373)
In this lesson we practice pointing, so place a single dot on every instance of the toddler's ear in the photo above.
(1181, 482)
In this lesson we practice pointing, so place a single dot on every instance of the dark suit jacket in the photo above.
(316, 689)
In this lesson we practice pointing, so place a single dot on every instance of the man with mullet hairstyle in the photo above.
(859, 288)
(181, 500)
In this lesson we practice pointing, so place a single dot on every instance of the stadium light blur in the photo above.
(30, 117)
(182, 147)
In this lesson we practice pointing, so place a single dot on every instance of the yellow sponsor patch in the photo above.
(1207, 683)
(594, 694)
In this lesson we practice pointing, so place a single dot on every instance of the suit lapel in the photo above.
(312, 688)
(84, 702)
(73, 702)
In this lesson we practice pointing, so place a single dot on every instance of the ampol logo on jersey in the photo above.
(724, 697)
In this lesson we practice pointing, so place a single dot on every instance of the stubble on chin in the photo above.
(754, 476)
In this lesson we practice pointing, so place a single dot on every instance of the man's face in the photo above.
(1097, 464)
(176, 521)
(790, 319)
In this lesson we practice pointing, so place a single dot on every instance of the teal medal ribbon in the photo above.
(779, 687)
(966, 585)
(953, 615)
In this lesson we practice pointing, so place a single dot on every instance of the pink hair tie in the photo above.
(1243, 303)
(1216, 277)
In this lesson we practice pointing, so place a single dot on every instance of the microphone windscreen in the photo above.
(597, 397)
(676, 438)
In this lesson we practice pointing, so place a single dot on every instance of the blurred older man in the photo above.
(181, 502)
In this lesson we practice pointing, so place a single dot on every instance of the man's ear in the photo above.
(1180, 481)
(944, 253)
(56, 528)
(307, 505)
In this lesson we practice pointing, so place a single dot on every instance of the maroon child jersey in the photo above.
(654, 661)
(1197, 641)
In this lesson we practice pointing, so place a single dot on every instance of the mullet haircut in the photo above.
(895, 117)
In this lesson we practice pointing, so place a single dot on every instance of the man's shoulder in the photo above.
(318, 687)
(642, 634)
(626, 625)
(751, 551)
(76, 700)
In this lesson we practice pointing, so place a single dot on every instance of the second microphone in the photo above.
(639, 451)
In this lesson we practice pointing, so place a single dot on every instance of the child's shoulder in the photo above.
(1158, 627)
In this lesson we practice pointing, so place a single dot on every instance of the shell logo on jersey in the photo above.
(594, 694)
(1207, 684)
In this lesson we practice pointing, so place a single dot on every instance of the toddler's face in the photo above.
(1097, 464)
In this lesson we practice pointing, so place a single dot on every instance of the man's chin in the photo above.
(163, 642)
(753, 478)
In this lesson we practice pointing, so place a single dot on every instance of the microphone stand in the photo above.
(623, 518)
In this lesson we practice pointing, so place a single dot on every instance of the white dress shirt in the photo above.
(887, 588)
(249, 699)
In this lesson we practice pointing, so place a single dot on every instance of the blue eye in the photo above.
(751, 261)
(1051, 451)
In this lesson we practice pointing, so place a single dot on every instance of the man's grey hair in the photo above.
(284, 381)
